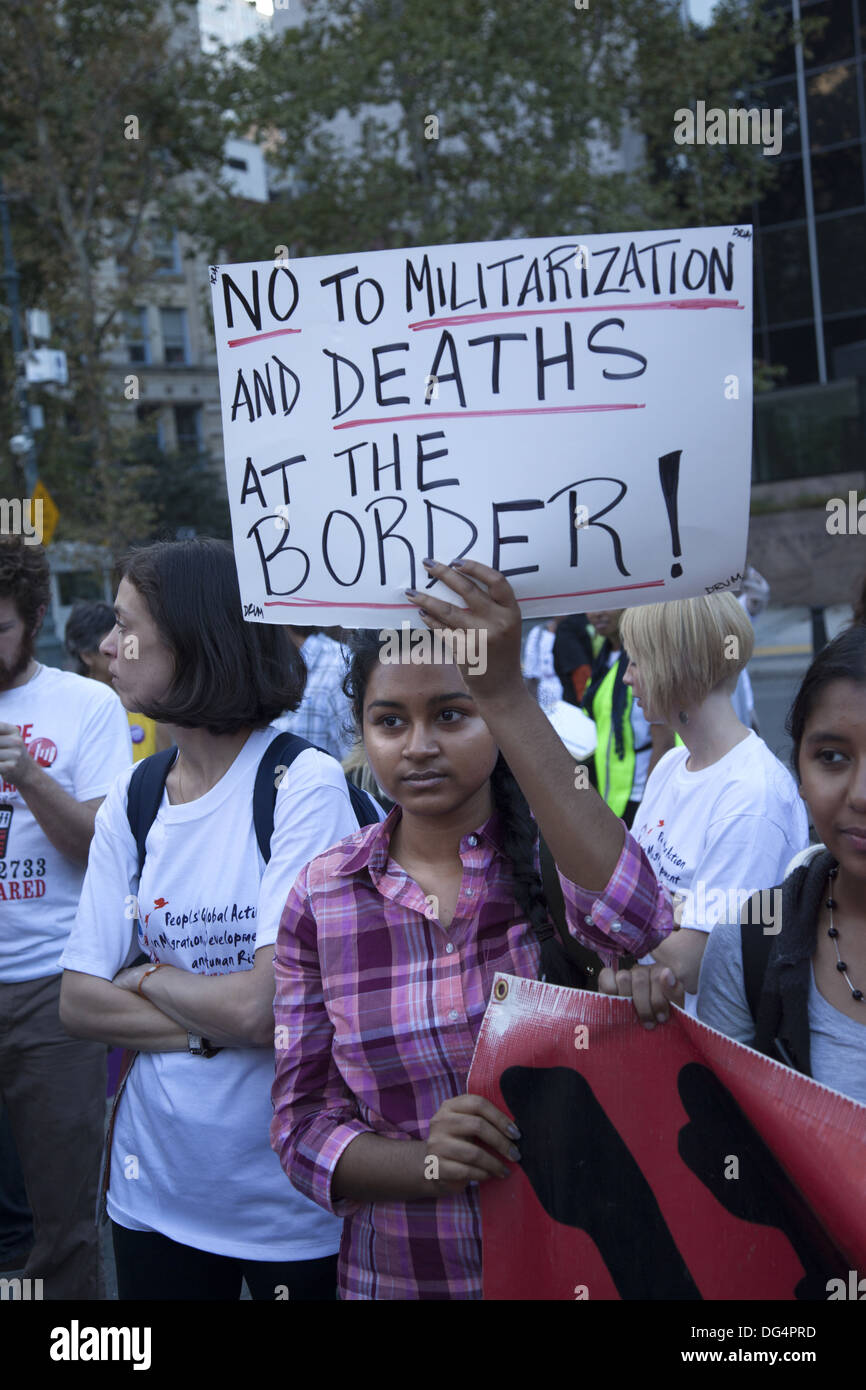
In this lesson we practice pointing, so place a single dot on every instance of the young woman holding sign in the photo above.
(389, 943)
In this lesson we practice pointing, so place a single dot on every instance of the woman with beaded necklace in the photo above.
(810, 1002)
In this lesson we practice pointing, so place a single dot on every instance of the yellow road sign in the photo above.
(50, 514)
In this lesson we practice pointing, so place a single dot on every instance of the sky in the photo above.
(700, 10)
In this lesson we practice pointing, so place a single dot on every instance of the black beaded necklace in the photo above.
(833, 933)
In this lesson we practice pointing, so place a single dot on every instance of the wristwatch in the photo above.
(200, 1047)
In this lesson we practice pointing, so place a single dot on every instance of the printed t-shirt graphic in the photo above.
(716, 835)
(77, 731)
(199, 1127)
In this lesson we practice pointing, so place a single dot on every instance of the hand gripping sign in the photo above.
(575, 412)
(670, 1165)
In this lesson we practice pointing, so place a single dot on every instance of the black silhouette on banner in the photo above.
(584, 1175)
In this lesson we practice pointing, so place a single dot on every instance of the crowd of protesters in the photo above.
(297, 970)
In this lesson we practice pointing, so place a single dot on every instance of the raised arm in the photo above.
(585, 838)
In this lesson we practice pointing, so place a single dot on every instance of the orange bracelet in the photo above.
(158, 966)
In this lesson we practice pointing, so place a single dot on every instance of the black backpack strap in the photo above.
(280, 753)
(755, 946)
(362, 805)
(147, 784)
(144, 794)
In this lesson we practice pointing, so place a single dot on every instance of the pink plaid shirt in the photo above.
(377, 1011)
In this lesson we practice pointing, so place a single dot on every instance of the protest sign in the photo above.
(574, 412)
(675, 1164)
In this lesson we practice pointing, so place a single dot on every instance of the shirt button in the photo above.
(616, 926)
(454, 1014)
(472, 840)
(588, 921)
(450, 947)
(470, 892)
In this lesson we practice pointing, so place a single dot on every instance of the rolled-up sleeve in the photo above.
(629, 917)
(315, 1115)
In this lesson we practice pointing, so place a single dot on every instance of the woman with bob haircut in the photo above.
(720, 816)
(196, 1196)
(806, 1001)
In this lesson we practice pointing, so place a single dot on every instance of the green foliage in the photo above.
(527, 97)
(72, 73)
(766, 377)
(112, 135)
(182, 490)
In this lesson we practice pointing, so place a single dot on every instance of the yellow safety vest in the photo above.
(614, 776)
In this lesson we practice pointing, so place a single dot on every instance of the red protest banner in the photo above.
(675, 1164)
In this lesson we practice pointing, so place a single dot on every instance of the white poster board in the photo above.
(574, 412)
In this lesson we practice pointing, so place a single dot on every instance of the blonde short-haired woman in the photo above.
(720, 816)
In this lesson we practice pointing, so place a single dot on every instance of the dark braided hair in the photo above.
(520, 833)
(519, 840)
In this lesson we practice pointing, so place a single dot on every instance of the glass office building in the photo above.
(836, 108)
(818, 428)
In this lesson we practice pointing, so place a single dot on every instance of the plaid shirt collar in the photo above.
(374, 848)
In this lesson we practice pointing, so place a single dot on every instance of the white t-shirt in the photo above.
(718, 835)
(77, 731)
(204, 1172)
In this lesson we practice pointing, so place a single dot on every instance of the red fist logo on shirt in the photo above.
(43, 751)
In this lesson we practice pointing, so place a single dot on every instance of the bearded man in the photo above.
(63, 739)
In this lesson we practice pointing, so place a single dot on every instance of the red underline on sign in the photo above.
(585, 593)
(477, 414)
(577, 309)
(531, 598)
(257, 337)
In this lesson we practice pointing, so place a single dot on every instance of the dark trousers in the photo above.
(16, 1221)
(153, 1267)
(53, 1088)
